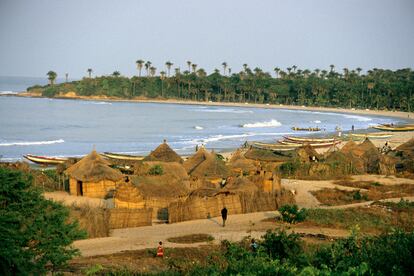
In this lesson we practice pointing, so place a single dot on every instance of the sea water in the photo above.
(57, 127)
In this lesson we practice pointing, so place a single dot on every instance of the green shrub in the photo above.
(50, 91)
(156, 170)
(292, 214)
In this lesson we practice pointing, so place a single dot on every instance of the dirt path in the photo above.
(238, 227)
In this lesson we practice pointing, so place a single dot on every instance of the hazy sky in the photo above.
(71, 36)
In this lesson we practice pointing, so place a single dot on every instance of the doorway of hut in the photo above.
(79, 188)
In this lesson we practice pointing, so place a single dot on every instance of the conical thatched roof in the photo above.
(238, 161)
(191, 163)
(211, 167)
(407, 146)
(269, 155)
(163, 153)
(93, 168)
(241, 184)
(160, 186)
(366, 147)
(306, 152)
(348, 146)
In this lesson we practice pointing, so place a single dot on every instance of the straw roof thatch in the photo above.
(191, 163)
(241, 184)
(238, 161)
(213, 166)
(407, 147)
(306, 152)
(163, 153)
(93, 168)
(348, 146)
(159, 186)
(269, 155)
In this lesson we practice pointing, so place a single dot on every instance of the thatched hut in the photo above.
(387, 165)
(307, 154)
(164, 153)
(406, 150)
(207, 166)
(269, 155)
(92, 177)
(154, 192)
(348, 146)
(241, 165)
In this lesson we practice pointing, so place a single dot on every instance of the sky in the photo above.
(107, 35)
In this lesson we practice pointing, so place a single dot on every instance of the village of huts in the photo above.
(164, 187)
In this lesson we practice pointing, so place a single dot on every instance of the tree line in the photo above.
(375, 89)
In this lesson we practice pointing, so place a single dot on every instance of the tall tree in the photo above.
(245, 66)
(162, 77)
(116, 74)
(147, 67)
(224, 64)
(51, 76)
(153, 70)
(277, 70)
(140, 64)
(189, 65)
(169, 64)
(66, 77)
(89, 72)
(194, 67)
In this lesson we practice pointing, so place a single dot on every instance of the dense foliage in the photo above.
(377, 89)
(292, 213)
(280, 253)
(35, 234)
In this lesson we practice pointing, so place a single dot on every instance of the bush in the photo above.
(156, 170)
(50, 91)
(292, 214)
(35, 233)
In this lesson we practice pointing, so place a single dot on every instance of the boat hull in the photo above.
(314, 145)
(44, 160)
(309, 140)
(119, 156)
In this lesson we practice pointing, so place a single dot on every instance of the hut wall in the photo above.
(124, 218)
(203, 207)
(159, 206)
(92, 189)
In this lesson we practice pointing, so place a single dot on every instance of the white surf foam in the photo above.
(199, 127)
(271, 123)
(8, 93)
(316, 122)
(37, 143)
(358, 118)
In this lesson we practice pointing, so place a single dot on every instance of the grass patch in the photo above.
(194, 238)
(332, 197)
(374, 219)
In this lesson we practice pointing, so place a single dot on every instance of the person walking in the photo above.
(224, 215)
(160, 250)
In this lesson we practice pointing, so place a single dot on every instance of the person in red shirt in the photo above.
(160, 250)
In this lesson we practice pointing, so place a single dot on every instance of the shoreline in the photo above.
(408, 116)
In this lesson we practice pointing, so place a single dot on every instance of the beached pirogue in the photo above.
(391, 127)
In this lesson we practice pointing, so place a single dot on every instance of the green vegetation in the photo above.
(35, 233)
(375, 219)
(156, 170)
(377, 89)
(292, 214)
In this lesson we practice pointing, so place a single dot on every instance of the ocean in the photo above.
(58, 127)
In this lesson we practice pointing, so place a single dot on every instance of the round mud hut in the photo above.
(92, 177)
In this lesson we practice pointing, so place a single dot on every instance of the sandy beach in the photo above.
(73, 96)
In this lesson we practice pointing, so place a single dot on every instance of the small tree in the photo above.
(35, 233)
(51, 76)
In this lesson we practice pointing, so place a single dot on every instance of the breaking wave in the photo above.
(358, 118)
(9, 144)
(271, 123)
(198, 127)
(8, 93)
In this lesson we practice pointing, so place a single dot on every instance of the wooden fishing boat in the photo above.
(314, 145)
(371, 135)
(45, 160)
(308, 139)
(120, 156)
(275, 147)
(306, 128)
(389, 127)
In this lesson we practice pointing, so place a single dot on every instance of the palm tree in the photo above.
(229, 70)
(277, 70)
(359, 69)
(162, 77)
(245, 66)
(169, 64)
(194, 67)
(51, 76)
(66, 77)
(224, 68)
(189, 65)
(294, 68)
(153, 70)
(139, 63)
(332, 67)
(116, 74)
(89, 72)
(147, 67)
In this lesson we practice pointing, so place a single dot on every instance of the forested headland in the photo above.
(376, 89)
